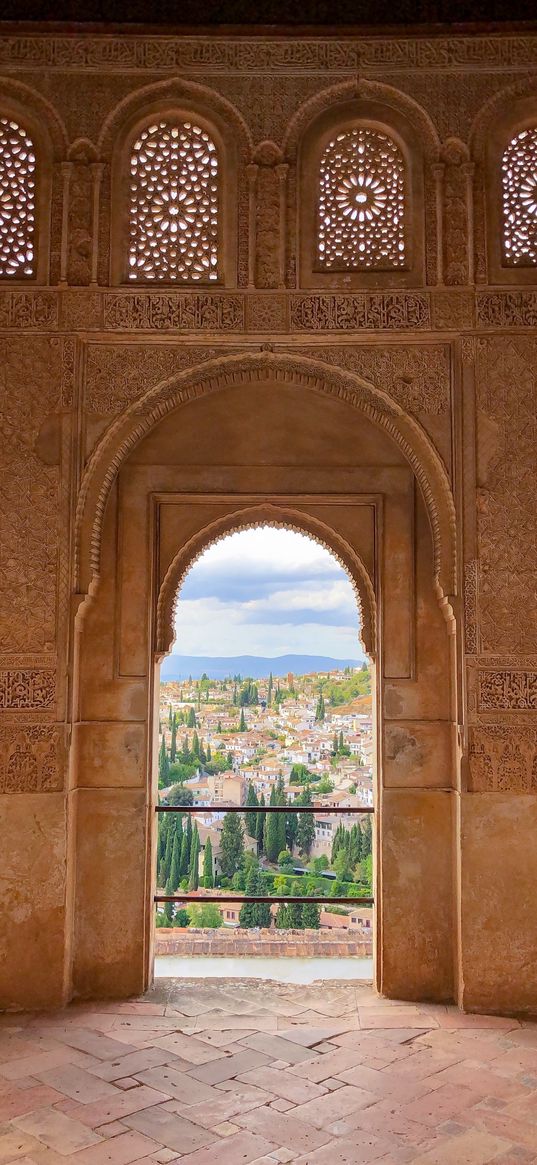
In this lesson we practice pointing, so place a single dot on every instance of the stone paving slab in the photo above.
(223, 1073)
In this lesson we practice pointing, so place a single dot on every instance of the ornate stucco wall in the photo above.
(442, 370)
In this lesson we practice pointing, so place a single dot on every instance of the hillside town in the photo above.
(302, 740)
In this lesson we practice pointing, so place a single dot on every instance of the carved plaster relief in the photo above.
(30, 758)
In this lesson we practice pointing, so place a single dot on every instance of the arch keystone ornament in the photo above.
(128, 430)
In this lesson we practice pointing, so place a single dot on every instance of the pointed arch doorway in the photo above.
(273, 439)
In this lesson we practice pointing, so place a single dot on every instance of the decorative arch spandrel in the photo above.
(124, 434)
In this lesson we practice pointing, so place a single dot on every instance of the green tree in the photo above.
(163, 765)
(242, 722)
(178, 795)
(248, 912)
(175, 868)
(325, 785)
(205, 915)
(320, 710)
(196, 748)
(269, 691)
(169, 913)
(306, 826)
(173, 744)
(367, 837)
(219, 726)
(181, 917)
(311, 916)
(191, 720)
(170, 716)
(193, 871)
(285, 860)
(260, 824)
(185, 854)
(271, 838)
(231, 844)
(250, 819)
(186, 754)
(208, 878)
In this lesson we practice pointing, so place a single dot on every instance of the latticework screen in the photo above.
(519, 182)
(361, 202)
(17, 201)
(174, 204)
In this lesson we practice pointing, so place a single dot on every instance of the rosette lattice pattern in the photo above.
(519, 182)
(174, 205)
(17, 201)
(361, 202)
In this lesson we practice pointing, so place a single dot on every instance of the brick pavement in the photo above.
(256, 1073)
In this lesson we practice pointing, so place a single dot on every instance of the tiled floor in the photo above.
(232, 1073)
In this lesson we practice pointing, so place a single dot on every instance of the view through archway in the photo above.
(266, 704)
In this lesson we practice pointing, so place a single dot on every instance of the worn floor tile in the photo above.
(57, 1131)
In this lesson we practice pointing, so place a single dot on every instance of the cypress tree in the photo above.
(311, 915)
(281, 799)
(367, 838)
(168, 852)
(248, 913)
(335, 743)
(185, 856)
(191, 719)
(208, 879)
(250, 819)
(242, 722)
(231, 845)
(341, 744)
(196, 745)
(320, 709)
(219, 726)
(269, 692)
(173, 744)
(193, 873)
(163, 764)
(170, 716)
(168, 913)
(271, 837)
(175, 868)
(306, 826)
(260, 824)
(209, 753)
(264, 916)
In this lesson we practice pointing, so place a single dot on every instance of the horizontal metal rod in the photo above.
(223, 900)
(260, 809)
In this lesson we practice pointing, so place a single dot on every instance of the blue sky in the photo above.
(267, 592)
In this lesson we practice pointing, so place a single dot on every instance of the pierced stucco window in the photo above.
(17, 201)
(361, 209)
(519, 200)
(174, 211)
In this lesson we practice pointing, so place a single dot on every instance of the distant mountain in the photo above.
(180, 667)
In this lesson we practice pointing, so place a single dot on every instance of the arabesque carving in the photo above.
(502, 759)
(31, 310)
(506, 397)
(30, 758)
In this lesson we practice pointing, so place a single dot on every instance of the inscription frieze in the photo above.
(27, 689)
(31, 310)
(215, 55)
(173, 312)
(507, 309)
(361, 311)
(505, 690)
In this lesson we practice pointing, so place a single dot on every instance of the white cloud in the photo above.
(267, 592)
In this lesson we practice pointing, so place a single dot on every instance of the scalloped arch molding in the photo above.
(122, 437)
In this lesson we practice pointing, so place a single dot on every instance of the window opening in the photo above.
(265, 761)
(361, 202)
(17, 201)
(519, 190)
(174, 204)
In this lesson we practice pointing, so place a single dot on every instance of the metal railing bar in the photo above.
(242, 898)
(260, 809)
